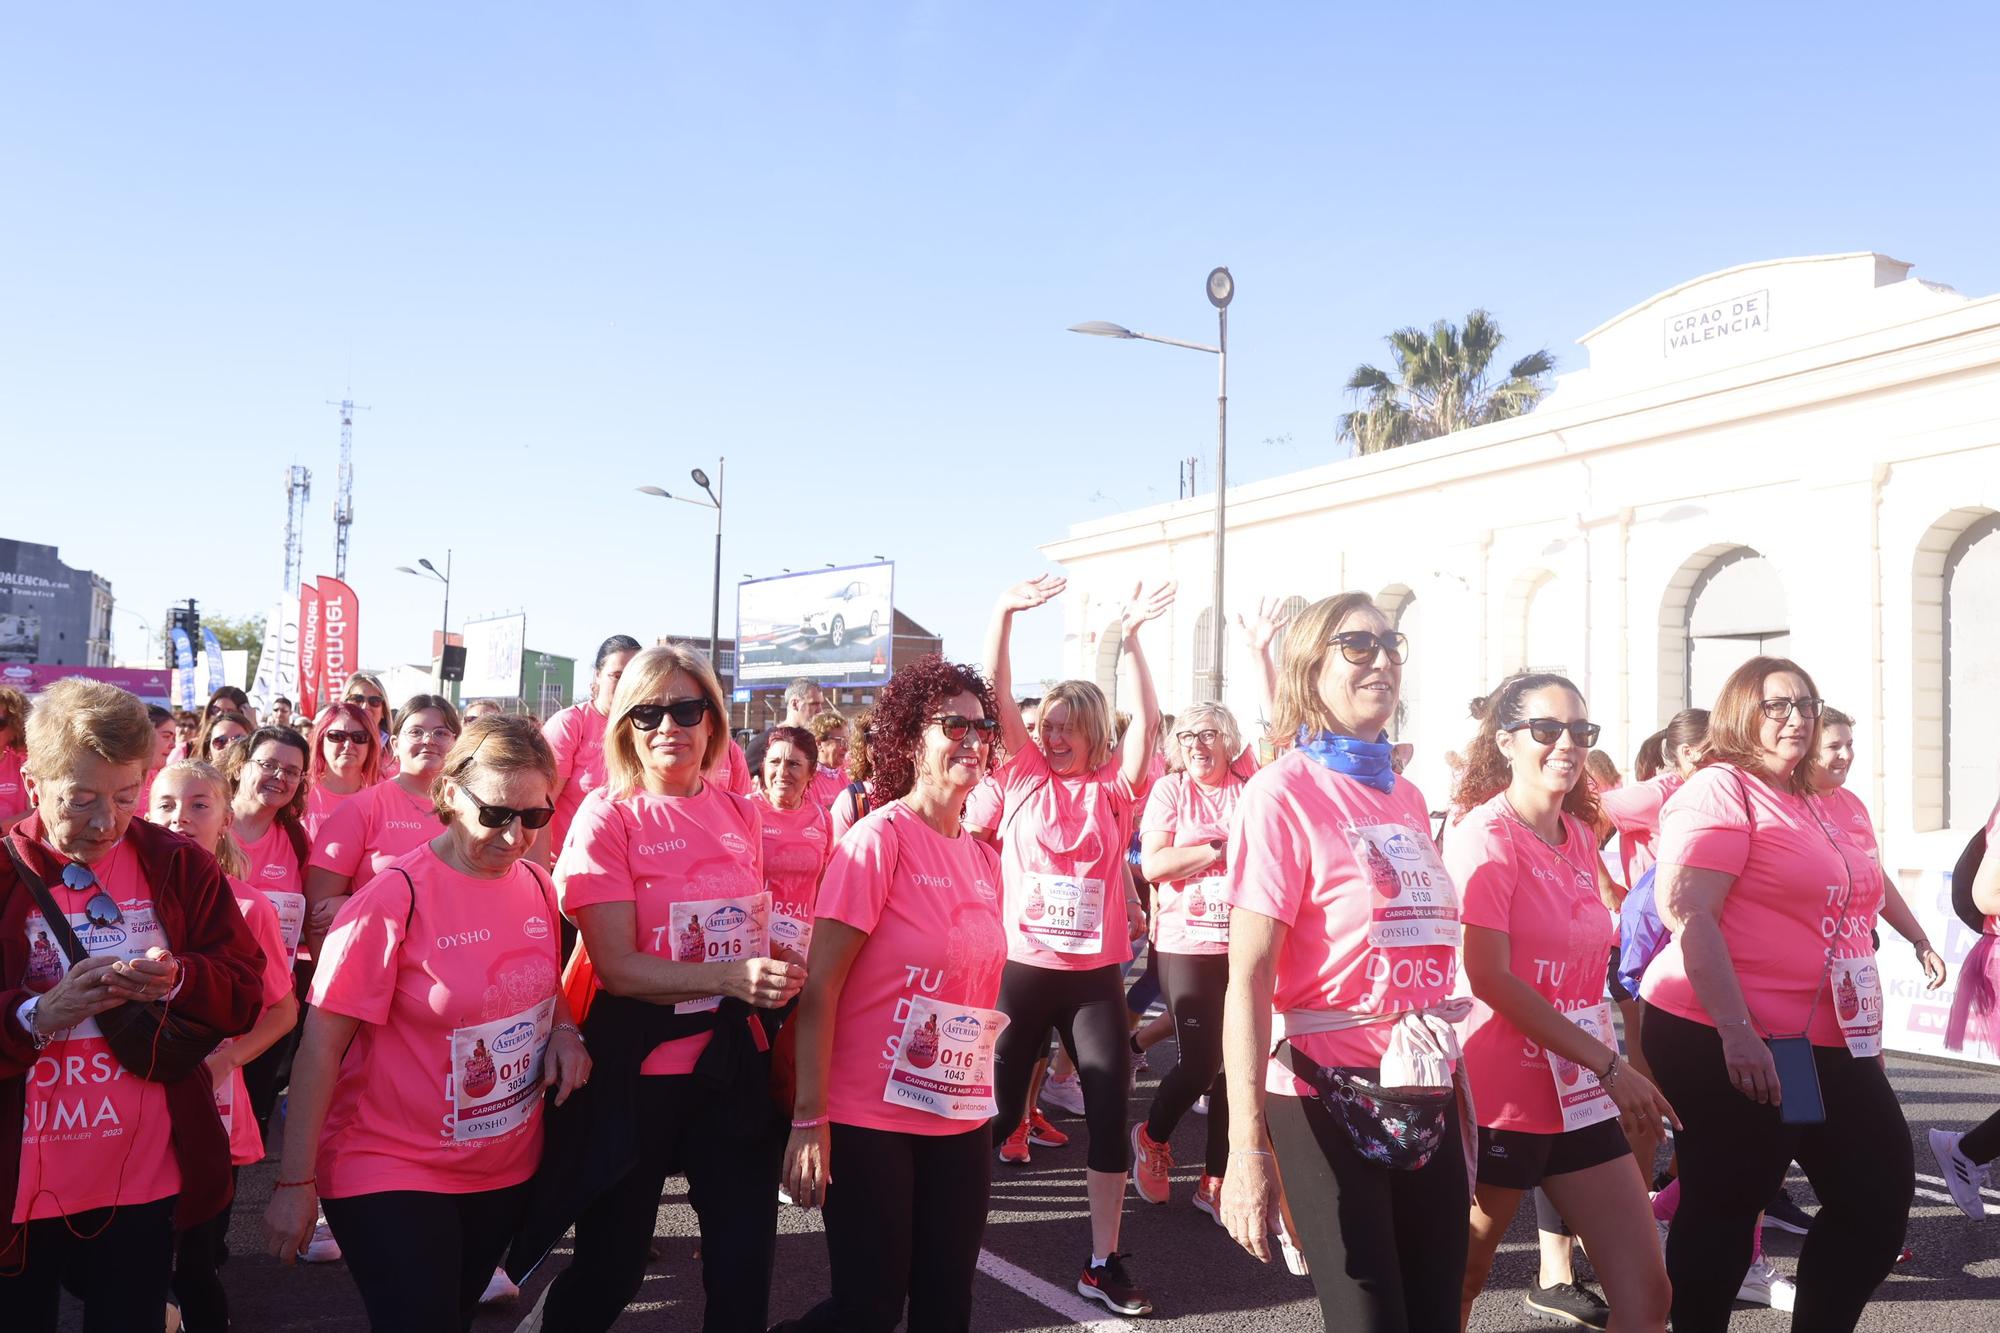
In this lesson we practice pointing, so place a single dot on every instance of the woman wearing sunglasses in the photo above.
(1343, 940)
(361, 838)
(365, 692)
(219, 730)
(663, 873)
(346, 761)
(104, 1164)
(1557, 1107)
(797, 838)
(1064, 819)
(1184, 837)
(1766, 908)
(576, 735)
(437, 1020)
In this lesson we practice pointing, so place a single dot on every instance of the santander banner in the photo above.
(339, 641)
(309, 669)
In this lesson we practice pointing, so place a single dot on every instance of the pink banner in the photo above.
(339, 636)
(309, 641)
(154, 685)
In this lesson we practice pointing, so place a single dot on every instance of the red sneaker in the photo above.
(1208, 1197)
(1151, 1161)
(1041, 1133)
(1015, 1149)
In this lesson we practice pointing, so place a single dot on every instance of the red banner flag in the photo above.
(309, 668)
(339, 631)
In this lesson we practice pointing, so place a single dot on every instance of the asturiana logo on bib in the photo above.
(963, 1027)
(734, 842)
(1403, 847)
(727, 918)
(514, 1038)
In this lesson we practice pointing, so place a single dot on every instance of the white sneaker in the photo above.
(1295, 1259)
(1201, 1104)
(500, 1290)
(1764, 1285)
(1961, 1176)
(783, 1197)
(322, 1248)
(1064, 1094)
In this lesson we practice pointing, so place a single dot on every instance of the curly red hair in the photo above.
(905, 707)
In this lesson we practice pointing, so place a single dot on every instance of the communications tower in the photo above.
(298, 490)
(343, 500)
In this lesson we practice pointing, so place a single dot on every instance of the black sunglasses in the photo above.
(1359, 646)
(102, 909)
(499, 816)
(954, 727)
(373, 700)
(684, 712)
(1546, 730)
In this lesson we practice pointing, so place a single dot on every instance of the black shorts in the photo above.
(1516, 1159)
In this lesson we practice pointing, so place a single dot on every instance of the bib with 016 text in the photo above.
(1412, 901)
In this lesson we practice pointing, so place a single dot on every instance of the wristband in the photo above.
(567, 1027)
(1249, 1152)
(1610, 1074)
(814, 1123)
(294, 1184)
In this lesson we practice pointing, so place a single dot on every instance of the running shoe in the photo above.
(1764, 1285)
(1785, 1215)
(1295, 1258)
(1109, 1284)
(1569, 1303)
(1043, 1134)
(1151, 1161)
(1201, 1104)
(1015, 1150)
(322, 1248)
(500, 1290)
(1208, 1197)
(1064, 1094)
(1961, 1175)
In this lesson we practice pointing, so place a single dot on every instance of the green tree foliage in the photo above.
(1440, 385)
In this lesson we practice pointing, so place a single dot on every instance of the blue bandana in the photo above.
(1367, 762)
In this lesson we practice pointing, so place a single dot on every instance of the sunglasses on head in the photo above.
(1780, 709)
(1359, 646)
(102, 909)
(684, 712)
(954, 727)
(1546, 730)
(499, 816)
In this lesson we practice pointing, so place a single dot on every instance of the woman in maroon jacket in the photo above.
(104, 1164)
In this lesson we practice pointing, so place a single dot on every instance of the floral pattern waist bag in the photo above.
(1398, 1127)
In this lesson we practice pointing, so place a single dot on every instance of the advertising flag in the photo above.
(183, 668)
(309, 668)
(211, 652)
(339, 642)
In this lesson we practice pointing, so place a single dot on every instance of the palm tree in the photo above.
(1440, 385)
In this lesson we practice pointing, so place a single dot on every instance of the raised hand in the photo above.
(1031, 593)
(1260, 629)
(1146, 604)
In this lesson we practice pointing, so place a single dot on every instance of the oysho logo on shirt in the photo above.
(456, 938)
(659, 848)
(401, 823)
(932, 881)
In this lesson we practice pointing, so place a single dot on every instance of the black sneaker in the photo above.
(1785, 1215)
(1110, 1284)
(1569, 1303)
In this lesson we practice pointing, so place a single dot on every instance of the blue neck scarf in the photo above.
(1367, 762)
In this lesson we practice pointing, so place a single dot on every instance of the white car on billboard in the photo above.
(854, 608)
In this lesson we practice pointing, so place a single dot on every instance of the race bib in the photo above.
(944, 1063)
(1064, 914)
(136, 930)
(791, 937)
(496, 1072)
(1582, 1098)
(1857, 1003)
(1415, 902)
(718, 930)
(291, 909)
(225, 1104)
(1205, 912)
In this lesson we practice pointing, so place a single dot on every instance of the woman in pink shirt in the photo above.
(13, 753)
(857, 798)
(1767, 907)
(1634, 809)
(897, 1028)
(1066, 812)
(576, 734)
(367, 693)
(1555, 1104)
(797, 839)
(346, 761)
(663, 872)
(1344, 929)
(437, 1021)
(831, 731)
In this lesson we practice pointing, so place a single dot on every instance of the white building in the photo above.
(1800, 457)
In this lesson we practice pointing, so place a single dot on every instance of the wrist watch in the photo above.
(28, 1014)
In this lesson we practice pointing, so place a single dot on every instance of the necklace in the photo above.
(1557, 848)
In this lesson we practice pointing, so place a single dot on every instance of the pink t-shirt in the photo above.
(1191, 916)
(983, 805)
(847, 809)
(232, 1102)
(1372, 916)
(1843, 816)
(1062, 854)
(930, 906)
(576, 734)
(374, 828)
(1558, 932)
(658, 852)
(827, 785)
(13, 792)
(732, 770)
(274, 864)
(1790, 876)
(93, 1134)
(321, 802)
(445, 972)
(796, 846)
(1634, 810)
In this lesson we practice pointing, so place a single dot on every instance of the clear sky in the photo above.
(563, 251)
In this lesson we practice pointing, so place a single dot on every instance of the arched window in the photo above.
(1972, 674)
(1726, 604)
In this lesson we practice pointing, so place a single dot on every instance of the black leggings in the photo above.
(422, 1259)
(903, 1224)
(199, 1253)
(733, 1186)
(1733, 1155)
(117, 1261)
(1386, 1248)
(1087, 1010)
(1194, 984)
(1982, 1142)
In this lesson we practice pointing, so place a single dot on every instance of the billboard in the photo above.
(48, 611)
(153, 685)
(835, 626)
(548, 682)
(493, 658)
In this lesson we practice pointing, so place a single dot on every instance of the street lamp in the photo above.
(430, 570)
(1221, 290)
(714, 502)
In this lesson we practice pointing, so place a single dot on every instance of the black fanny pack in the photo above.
(1400, 1128)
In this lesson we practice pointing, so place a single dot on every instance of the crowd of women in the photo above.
(510, 978)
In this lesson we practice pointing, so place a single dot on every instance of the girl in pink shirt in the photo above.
(897, 1028)
(857, 798)
(1067, 808)
(1555, 1104)
(1760, 896)
(576, 734)
(830, 731)
(797, 840)
(13, 752)
(346, 760)
(415, 1112)
(1634, 809)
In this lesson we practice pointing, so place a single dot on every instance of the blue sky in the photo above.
(564, 251)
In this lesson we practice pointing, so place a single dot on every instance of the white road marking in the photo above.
(1934, 1180)
(1068, 1304)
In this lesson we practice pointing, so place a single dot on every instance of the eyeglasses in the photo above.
(499, 816)
(1206, 736)
(372, 700)
(684, 712)
(418, 735)
(1546, 730)
(102, 909)
(346, 738)
(273, 769)
(1780, 709)
(954, 727)
(1359, 646)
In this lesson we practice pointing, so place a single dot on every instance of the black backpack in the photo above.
(1962, 876)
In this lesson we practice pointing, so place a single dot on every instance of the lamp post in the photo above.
(1221, 290)
(430, 570)
(714, 502)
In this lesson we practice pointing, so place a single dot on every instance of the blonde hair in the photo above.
(1089, 719)
(825, 724)
(501, 744)
(1190, 719)
(645, 678)
(1309, 639)
(75, 717)
(14, 735)
(228, 852)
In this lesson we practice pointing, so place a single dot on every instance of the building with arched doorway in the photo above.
(1799, 457)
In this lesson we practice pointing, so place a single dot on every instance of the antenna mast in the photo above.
(298, 490)
(343, 500)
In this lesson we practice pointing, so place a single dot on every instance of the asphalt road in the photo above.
(1038, 1232)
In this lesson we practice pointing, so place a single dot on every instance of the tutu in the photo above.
(1973, 1005)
